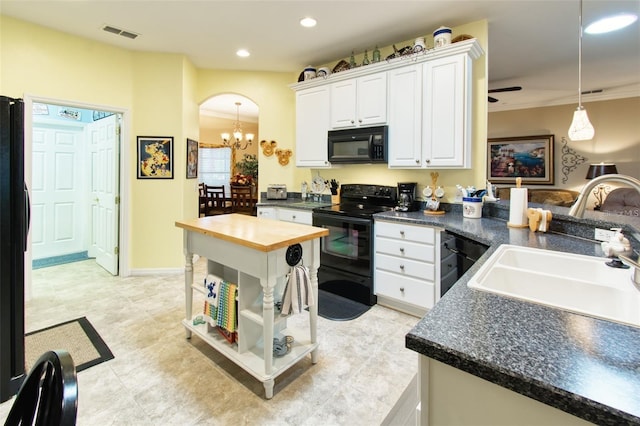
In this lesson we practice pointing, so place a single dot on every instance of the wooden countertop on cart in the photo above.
(250, 231)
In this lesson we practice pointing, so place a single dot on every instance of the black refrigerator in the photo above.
(14, 227)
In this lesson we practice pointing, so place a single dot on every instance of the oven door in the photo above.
(348, 246)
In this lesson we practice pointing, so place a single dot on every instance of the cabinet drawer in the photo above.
(297, 216)
(405, 249)
(405, 267)
(402, 231)
(406, 289)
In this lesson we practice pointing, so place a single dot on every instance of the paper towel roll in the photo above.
(518, 207)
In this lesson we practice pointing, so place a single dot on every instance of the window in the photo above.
(215, 166)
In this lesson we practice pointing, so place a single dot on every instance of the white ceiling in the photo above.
(533, 44)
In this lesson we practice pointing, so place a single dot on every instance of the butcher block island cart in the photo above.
(255, 254)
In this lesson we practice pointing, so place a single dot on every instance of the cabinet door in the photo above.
(343, 104)
(372, 99)
(405, 118)
(312, 124)
(359, 101)
(446, 126)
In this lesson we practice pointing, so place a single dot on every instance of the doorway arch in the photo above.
(218, 115)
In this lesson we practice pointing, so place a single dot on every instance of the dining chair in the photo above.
(242, 200)
(202, 199)
(216, 201)
(49, 394)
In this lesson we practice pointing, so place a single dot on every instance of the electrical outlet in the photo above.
(604, 234)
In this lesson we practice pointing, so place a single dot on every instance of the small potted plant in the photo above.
(247, 171)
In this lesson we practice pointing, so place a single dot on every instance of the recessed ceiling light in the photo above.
(243, 53)
(611, 23)
(308, 22)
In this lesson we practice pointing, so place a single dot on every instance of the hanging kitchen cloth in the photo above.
(297, 293)
(227, 306)
(212, 284)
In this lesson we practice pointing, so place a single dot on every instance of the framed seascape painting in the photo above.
(526, 157)
(155, 157)
(192, 159)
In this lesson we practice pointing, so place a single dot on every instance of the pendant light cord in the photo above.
(580, 57)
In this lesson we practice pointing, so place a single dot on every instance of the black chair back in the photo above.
(49, 394)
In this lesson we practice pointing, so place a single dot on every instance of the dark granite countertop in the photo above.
(584, 366)
(294, 203)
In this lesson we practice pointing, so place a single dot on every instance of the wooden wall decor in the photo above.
(268, 147)
(283, 156)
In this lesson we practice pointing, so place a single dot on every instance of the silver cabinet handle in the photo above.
(402, 289)
(427, 161)
(402, 267)
(401, 249)
(402, 233)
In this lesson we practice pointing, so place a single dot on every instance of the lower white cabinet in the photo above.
(304, 217)
(295, 215)
(267, 212)
(407, 266)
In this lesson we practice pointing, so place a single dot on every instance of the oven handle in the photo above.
(341, 218)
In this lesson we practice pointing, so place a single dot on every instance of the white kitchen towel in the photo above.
(212, 284)
(297, 293)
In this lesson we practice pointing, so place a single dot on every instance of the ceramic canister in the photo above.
(309, 73)
(472, 207)
(442, 37)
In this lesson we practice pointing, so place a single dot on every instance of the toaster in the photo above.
(276, 191)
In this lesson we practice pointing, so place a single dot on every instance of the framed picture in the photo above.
(526, 157)
(155, 157)
(192, 159)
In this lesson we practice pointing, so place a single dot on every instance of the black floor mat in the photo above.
(338, 308)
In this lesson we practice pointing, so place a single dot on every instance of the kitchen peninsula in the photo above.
(488, 359)
(256, 254)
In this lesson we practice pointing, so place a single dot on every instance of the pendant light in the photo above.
(580, 129)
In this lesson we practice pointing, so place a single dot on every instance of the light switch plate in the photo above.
(604, 234)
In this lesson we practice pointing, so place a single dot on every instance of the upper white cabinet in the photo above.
(443, 113)
(425, 98)
(312, 125)
(359, 101)
(446, 126)
(405, 117)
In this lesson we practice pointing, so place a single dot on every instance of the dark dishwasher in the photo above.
(457, 255)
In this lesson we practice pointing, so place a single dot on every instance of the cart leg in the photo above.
(268, 389)
(314, 356)
(188, 291)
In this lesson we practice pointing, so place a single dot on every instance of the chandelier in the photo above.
(237, 133)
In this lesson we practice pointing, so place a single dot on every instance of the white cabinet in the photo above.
(359, 101)
(406, 266)
(295, 216)
(438, 100)
(446, 130)
(405, 117)
(312, 124)
(267, 212)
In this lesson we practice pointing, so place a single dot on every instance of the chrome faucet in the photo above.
(577, 210)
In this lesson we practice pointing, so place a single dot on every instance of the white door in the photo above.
(103, 136)
(57, 193)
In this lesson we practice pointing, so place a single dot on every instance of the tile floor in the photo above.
(159, 377)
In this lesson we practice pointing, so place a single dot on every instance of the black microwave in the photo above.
(358, 146)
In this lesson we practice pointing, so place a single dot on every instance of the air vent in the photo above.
(118, 31)
(591, 92)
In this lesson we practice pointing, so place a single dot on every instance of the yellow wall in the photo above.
(162, 92)
(276, 103)
(617, 137)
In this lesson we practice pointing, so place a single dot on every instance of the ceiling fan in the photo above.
(503, 89)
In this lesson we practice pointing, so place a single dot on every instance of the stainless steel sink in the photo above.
(572, 282)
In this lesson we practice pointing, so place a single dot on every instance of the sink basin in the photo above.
(572, 282)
